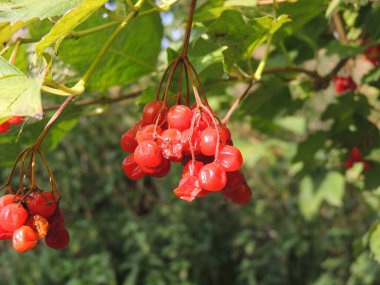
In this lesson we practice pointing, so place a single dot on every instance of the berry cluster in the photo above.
(25, 220)
(373, 54)
(344, 84)
(356, 156)
(193, 136)
(5, 126)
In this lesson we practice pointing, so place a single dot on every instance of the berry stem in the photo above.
(188, 28)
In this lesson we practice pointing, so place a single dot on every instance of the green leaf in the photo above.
(343, 50)
(19, 95)
(130, 56)
(374, 241)
(241, 35)
(332, 188)
(68, 22)
(23, 10)
(308, 201)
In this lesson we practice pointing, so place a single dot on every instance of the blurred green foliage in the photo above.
(311, 221)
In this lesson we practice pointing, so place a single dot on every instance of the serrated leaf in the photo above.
(241, 35)
(69, 22)
(19, 95)
(130, 56)
(23, 10)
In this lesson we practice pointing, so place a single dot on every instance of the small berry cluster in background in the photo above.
(355, 157)
(5, 126)
(28, 219)
(373, 54)
(344, 84)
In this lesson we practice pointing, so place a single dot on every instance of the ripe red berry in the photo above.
(57, 219)
(230, 158)
(343, 84)
(42, 203)
(171, 145)
(202, 118)
(6, 200)
(234, 180)
(12, 217)
(24, 239)
(194, 137)
(132, 169)
(4, 235)
(148, 154)
(179, 117)
(128, 140)
(209, 139)
(355, 154)
(212, 177)
(57, 238)
(148, 133)
(15, 120)
(241, 195)
(163, 169)
(4, 127)
(152, 110)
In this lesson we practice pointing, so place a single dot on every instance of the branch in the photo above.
(237, 102)
(100, 101)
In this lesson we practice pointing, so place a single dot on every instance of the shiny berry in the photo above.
(192, 169)
(6, 200)
(179, 117)
(230, 158)
(148, 154)
(212, 177)
(171, 145)
(193, 136)
(4, 235)
(132, 169)
(42, 203)
(128, 140)
(24, 239)
(12, 217)
(152, 110)
(148, 133)
(188, 188)
(209, 139)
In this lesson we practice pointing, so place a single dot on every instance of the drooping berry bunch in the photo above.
(5, 126)
(28, 219)
(356, 157)
(344, 84)
(190, 134)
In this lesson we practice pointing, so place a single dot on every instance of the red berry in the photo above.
(188, 188)
(212, 177)
(24, 239)
(57, 238)
(4, 235)
(57, 219)
(148, 154)
(128, 140)
(179, 117)
(194, 137)
(6, 199)
(202, 118)
(152, 110)
(241, 195)
(209, 139)
(163, 169)
(348, 164)
(148, 133)
(132, 169)
(356, 154)
(343, 84)
(230, 158)
(4, 127)
(15, 120)
(42, 203)
(171, 144)
(234, 180)
(12, 217)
